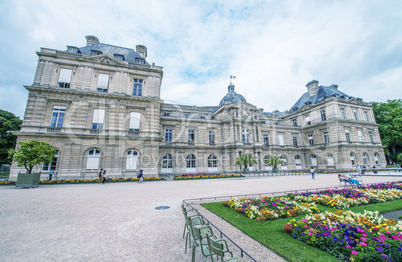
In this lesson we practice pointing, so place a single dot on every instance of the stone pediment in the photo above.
(106, 59)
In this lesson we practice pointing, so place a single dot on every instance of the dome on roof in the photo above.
(232, 96)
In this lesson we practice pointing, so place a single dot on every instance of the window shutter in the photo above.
(65, 75)
(135, 121)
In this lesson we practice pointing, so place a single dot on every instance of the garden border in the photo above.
(242, 251)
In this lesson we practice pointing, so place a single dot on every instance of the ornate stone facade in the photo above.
(100, 106)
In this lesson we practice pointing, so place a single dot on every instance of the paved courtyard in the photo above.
(118, 221)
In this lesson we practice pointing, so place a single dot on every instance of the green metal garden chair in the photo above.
(219, 247)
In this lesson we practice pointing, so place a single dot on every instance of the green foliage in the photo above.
(245, 160)
(32, 153)
(400, 157)
(274, 161)
(8, 123)
(389, 117)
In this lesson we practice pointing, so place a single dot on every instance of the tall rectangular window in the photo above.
(137, 88)
(326, 137)
(57, 116)
(295, 140)
(307, 118)
(323, 115)
(366, 116)
(266, 139)
(359, 135)
(347, 134)
(98, 118)
(211, 137)
(355, 115)
(371, 137)
(134, 121)
(64, 78)
(294, 121)
(191, 137)
(310, 139)
(168, 135)
(343, 113)
(103, 83)
(280, 137)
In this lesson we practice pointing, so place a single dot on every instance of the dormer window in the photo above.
(96, 52)
(119, 57)
(72, 49)
(140, 60)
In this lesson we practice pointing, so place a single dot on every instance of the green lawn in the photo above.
(270, 234)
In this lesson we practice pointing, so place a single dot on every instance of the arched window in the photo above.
(298, 161)
(365, 159)
(267, 166)
(131, 159)
(284, 165)
(330, 160)
(52, 165)
(167, 161)
(245, 136)
(376, 158)
(190, 161)
(93, 157)
(212, 163)
(313, 159)
(353, 158)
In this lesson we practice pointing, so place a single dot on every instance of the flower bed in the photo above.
(350, 197)
(269, 208)
(83, 181)
(205, 176)
(350, 236)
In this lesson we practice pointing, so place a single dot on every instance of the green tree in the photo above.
(245, 160)
(389, 118)
(32, 153)
(274, 161)
(8, 123)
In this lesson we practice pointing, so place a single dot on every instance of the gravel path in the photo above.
(119, 222)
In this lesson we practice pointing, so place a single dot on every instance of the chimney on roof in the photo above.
(92, 40)
(141, 50)
(312, 88)
(334, 86)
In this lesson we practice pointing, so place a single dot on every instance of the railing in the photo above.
(242, 251)
(54, 129)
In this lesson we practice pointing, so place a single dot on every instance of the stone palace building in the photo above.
(100, 106)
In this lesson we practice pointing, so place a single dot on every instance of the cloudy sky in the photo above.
(272, 47)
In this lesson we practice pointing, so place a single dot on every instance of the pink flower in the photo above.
(364, 235)
(363, 244)
(388, 232)
(309, 233)
(354, 252)
(363, 239)
(305, 221)
(306, 226)
(348, 246)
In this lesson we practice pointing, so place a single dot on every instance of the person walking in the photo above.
(100, 175)
(312, 170)
(140, 177)
(104, 175)
(359, 170)
(50, 174)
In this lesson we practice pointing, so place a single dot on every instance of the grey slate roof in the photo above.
(129, 54)
(322, 93)
(232, 96)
